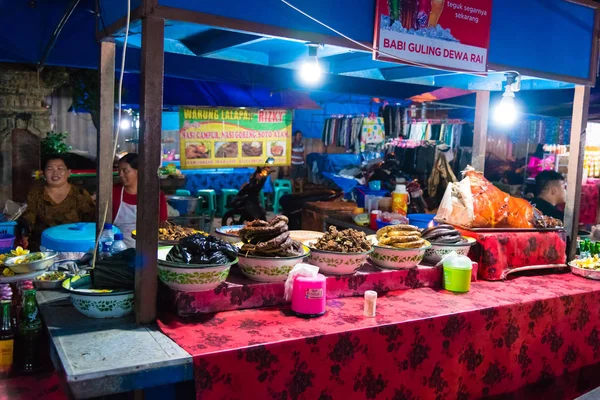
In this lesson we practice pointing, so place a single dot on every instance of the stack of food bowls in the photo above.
(191, 277)
(269, 269)
(336, 263)
(96, 303)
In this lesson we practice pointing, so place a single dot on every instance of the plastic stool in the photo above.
(182, 192)
(283, 183)
(210, 197)
(261, 197)
(225, 194)
(280, 191)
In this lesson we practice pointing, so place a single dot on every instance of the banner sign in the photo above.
(453, 34)
(233, 137)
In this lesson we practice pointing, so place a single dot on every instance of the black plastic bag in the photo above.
(201, 249)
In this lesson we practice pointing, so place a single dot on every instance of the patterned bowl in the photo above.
(229, 233)
(98, 304)
(269, 269)
(336, 263)
(395, 258)
(191, 277)
(437, 251)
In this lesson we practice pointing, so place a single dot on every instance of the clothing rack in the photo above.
(356, 134)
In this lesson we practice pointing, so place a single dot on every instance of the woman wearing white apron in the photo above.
(125, 199)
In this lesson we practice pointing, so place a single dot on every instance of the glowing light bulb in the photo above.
(311, 72)
(506, 111)
(125, 124)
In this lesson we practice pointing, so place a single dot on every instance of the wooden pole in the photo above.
(482, 106)
(581, 103)
(152, 68)
(105, 134)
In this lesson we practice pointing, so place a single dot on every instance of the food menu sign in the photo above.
(442, 33)
(233, 137)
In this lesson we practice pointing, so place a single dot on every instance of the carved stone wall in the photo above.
(23, 107)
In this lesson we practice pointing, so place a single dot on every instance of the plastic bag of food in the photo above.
(201, 249)
(457, 204)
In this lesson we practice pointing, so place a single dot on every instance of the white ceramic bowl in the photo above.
(26, 267)
(269, 269)
(191, 277)
(229, 233)
(437, 251)
(395, 258)
(336, 263)
(98, 305)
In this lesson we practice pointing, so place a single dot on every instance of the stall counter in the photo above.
(99, 357)
(532, 334)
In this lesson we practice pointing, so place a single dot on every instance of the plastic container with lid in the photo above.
(457, 272)
(78, 238)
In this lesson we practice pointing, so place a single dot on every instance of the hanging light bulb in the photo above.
(125, 124)
(506, 111)
(311, 72)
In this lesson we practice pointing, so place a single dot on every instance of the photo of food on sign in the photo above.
(252, 149)
(276, 149)
(226, 150)
(197, 150)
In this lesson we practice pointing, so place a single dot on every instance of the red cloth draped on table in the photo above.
(588, 212)
(499, 253)
(43, 386)
(423, 344)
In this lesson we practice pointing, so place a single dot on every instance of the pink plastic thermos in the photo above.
(308, 296)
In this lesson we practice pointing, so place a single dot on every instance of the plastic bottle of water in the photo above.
(118, 245)
(107, 238)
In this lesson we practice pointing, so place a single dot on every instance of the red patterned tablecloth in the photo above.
(423, 344)
(43, 386)
(588, 212)
(500, 253)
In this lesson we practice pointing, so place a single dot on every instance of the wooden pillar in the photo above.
(581, 104)
(105, 134)
(152, 68)
(482, 106)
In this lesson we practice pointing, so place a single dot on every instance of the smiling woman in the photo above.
(56, 203)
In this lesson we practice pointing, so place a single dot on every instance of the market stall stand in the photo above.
(124, 356)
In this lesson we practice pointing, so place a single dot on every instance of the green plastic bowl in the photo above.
(457, 279)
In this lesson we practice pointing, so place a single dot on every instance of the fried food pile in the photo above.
(174, 233)
(269, 239)
(443, 234)
(401, 237)
(346, 241)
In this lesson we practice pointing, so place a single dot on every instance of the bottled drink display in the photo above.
(7, 338)
(29, 334)
(107, 238)
(118, 245)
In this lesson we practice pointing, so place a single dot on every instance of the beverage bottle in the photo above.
(118, 245)
(400, 200)
(423, 14)
(29, 334)
(107, 238)
(7, 338)
(437, 6)
(408, 14)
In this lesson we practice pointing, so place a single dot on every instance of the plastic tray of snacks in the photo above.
(585, 272)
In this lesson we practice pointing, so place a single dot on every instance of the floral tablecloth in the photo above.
(499, 253)
(499, 338)
(43, 386)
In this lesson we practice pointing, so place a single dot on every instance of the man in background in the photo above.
(298, 170)
(550, 192)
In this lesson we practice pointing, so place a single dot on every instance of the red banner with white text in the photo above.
(441, 33)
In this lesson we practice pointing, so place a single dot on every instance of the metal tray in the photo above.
(557, 229)
(586, 273)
